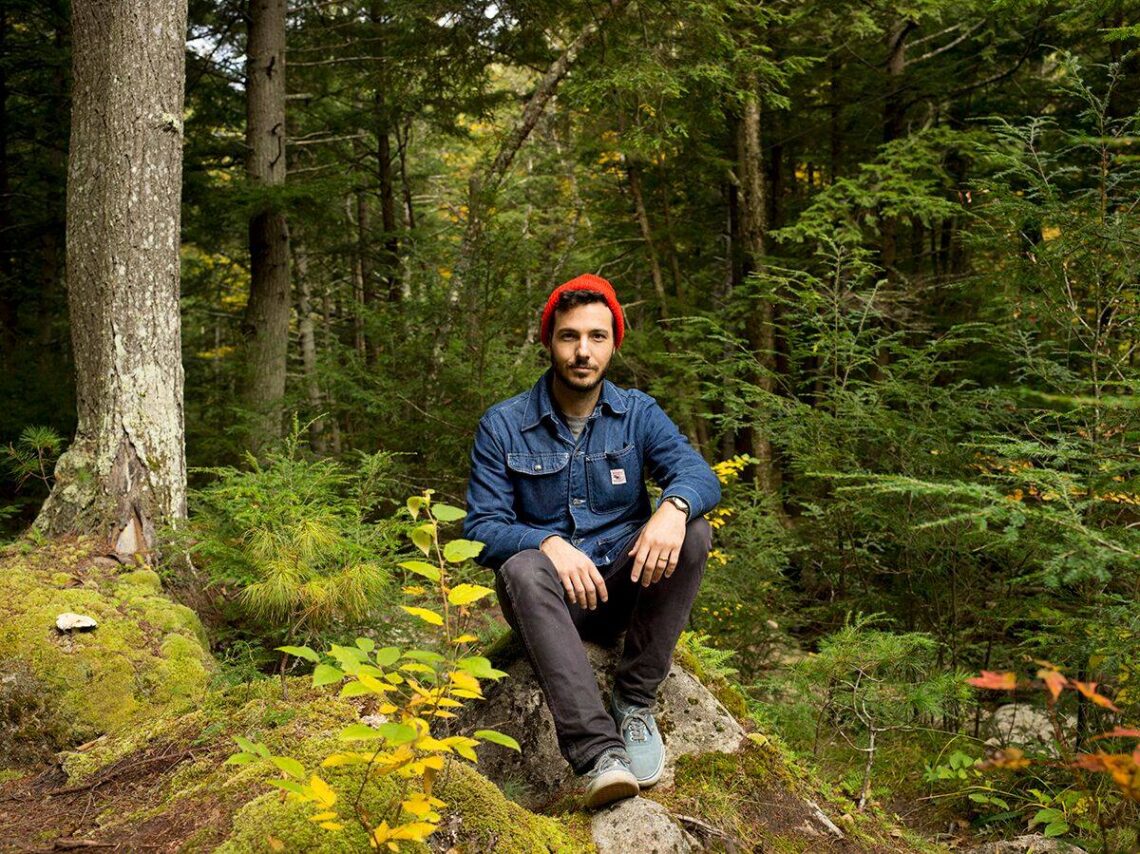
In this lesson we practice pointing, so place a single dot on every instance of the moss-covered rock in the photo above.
(147, 654)
(214, 806)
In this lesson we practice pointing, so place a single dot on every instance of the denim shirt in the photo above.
(530, 478)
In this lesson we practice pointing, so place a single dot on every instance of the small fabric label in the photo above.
(617, 476)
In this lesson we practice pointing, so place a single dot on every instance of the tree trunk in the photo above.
(266, 322)
(125, 474)
(894, 109)
(317, 442)
(760, 328)
(633, 170)
(388, 222)
(362, 291)
(7, 299)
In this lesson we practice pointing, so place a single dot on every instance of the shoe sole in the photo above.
(611, 786)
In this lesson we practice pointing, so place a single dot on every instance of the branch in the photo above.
(948, 45)
(539, 99)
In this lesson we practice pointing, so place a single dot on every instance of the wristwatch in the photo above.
(680, 503)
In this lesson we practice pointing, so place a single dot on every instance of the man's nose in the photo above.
(583, 348)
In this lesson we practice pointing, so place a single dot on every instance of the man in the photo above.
(557, 496)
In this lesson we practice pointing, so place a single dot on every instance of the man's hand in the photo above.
(659, 545)
(580, 578)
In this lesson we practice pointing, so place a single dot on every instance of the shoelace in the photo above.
(637, 722)
(608, 760)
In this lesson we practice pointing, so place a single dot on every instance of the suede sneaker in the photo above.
(642, 740)
(611, 779)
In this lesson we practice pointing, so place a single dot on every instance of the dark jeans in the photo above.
(534, 603)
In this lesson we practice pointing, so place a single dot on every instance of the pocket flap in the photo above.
(537, 464)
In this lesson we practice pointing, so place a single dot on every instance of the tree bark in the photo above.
(362, 291)
(391, 256)
(307, 331)
(633, 171)
(894, 111)
(266, 322)
(760, 327)
(7, 302)
(124, 476)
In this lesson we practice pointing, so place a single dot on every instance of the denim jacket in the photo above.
(530, 479)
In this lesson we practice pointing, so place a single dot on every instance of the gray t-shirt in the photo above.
(576, 424)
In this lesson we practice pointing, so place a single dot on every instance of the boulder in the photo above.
(639, 824)
(1033, 843)
(1024, 725)
(692, 722)
(147, 654)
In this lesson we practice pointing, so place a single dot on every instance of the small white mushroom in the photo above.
(70, 622)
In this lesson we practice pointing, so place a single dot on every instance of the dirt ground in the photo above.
(40, 812)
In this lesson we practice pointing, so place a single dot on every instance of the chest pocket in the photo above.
(541, 487)
(613, 479)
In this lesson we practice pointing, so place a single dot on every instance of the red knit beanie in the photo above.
(585, 282)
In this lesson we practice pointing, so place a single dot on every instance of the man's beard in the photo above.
(578, 385)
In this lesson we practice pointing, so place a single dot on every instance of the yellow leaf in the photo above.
(430, 743)
(322, 816)
(424, 614)
(465, 594)
(332, 825)
(466, 682)
(467, 753)
(387, 709)
(380, 834)
(417, 768)
(375, 685)
(322, 793)
(442, 714)
(465, 639)
(417, 831)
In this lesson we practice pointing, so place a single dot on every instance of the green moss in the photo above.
(147, 653)
(729, 697)
(484, 812)
(146, 580)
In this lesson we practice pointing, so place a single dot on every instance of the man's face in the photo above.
(582, 345)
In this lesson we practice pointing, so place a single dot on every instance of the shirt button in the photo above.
(537, 467)
(577, 541)
(578, 502)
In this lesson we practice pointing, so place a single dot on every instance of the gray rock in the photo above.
(69, 622)
(639, 824)
(1024, 725)
(691, 719)
(1033, 843)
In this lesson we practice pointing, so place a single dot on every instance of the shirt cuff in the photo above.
(533, 538)
(686, 494)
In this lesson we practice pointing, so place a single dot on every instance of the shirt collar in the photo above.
(541, 402)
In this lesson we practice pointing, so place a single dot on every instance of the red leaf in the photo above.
(1089, 690)
(1053, 680)
(994, 681)
(1010, 757)
(1090, 761)
(1120, 732)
